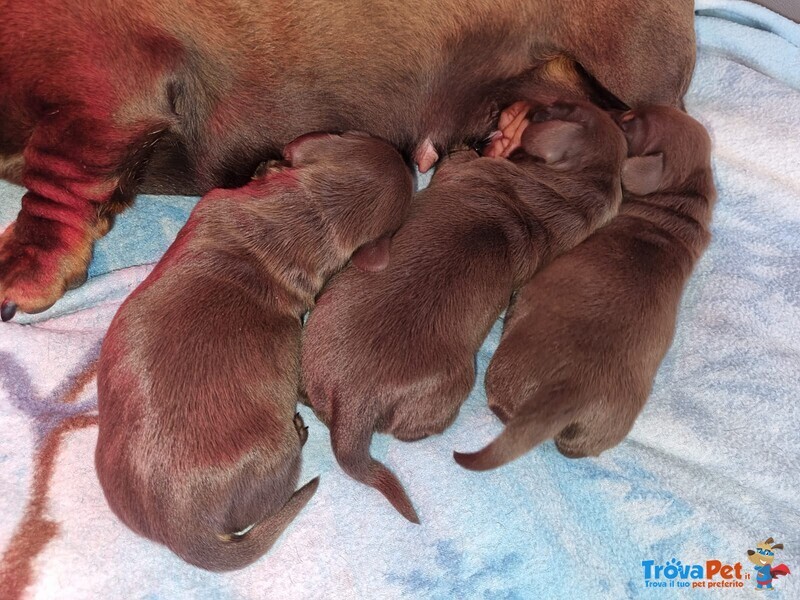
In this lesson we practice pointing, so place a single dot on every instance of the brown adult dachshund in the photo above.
(394, 351)
(100, 99)
(613, 300)
(199, 445)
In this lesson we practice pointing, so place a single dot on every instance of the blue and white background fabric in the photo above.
(711, 467)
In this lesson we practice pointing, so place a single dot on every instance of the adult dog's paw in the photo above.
(36, 270)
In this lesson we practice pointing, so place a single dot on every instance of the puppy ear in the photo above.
(373, 256)
(642, 175)
(557, 143)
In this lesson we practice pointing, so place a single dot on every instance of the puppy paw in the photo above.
(35, 272)
(580, 441)
(508, 137)
(302, 429)
(603, 423)
(543, 131)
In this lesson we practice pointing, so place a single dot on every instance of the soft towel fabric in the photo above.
(711, 468)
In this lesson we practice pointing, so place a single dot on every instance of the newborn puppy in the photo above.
(395, 351)
(199, 444)
(550, 376)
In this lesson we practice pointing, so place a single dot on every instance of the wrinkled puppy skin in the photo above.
(106, 99)
(395, 351)
(199, 444)
(584, 338)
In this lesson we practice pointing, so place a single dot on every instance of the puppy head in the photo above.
(333, 148)
(666, 149)
(348, 159)
(573, 136)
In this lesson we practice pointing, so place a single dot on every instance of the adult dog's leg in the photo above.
(84, 96)
(79, 171)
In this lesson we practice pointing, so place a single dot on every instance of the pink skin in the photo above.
(513, 122)
(425, 156)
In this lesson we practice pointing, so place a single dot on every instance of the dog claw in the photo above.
(78, 281)
(302, 429)
(7, 310)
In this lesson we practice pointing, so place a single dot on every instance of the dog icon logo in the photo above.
(763, 557)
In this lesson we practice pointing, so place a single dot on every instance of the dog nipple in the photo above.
(425, 156)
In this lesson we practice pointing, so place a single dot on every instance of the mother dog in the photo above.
(100, 99)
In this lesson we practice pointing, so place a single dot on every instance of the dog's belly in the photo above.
(405, 120)
(243, 78)
(396, 74)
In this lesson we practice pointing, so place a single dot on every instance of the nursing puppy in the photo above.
(395, 351)
(596, 305)
(100, 99)
(199, 445)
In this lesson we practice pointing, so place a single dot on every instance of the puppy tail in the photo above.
(351, 448)
(540, 419)
(227, 553)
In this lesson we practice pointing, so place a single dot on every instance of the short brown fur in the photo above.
(198, 375)
(584, 338)
(395, 351)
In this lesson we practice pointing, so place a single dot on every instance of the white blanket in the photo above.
(711, 468)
